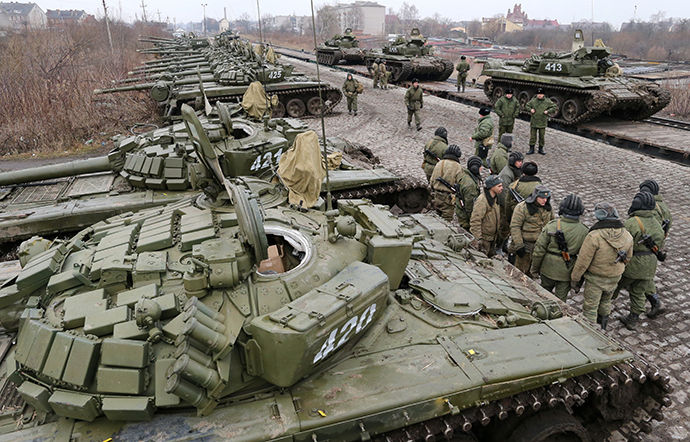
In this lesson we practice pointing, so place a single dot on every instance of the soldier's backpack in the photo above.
(360, 88)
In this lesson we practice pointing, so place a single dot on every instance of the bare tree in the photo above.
(327, 21)
(409, 15)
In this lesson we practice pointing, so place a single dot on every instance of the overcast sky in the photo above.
(612, 11)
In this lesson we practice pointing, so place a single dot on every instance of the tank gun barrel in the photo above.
(112, 161)
(158, 84)
(158, 76)
(177, 68)
(172, 60)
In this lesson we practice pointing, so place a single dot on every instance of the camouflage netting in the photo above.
(302, 170)
(255, 101)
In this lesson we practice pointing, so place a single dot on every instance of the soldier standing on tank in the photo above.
(463, 68)
(383, 74)
(486, 216)
(529, 217)
(450, 171)
(604, 253)
(663, 215)
(638, 277)
(414, 100)
(350, 88)
(507, 108)
(499, 157)
(374, 70)
(483, 135)
(468, 191)
(433, 150)
(539, 107)
(555, 253)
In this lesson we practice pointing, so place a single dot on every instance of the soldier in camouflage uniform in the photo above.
(449, 169)
(509, 174)
(414, 100)
(463, 68)
(639, 273)
(524, 186)
(383, 74)
(499, 157)
(350, 91)
(529, 217)
(663, 215)
(548, 260)
(507, 108)
(434, 150)
(374, 70)
(539, 107)
(601, 262)
(468, 191)
(483, 135)
(486, 215)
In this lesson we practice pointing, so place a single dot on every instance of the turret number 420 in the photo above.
(352, 327)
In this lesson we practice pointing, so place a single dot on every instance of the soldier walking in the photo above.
(507, 108)
(557, 247)
(606, 249)
(529, 217)
(468, 191)
(434, 150)
(648, 240)
(463, 68)
(483, 135)
(350, 89)
(499, 157)
(539, 107)
(444, 180)
(486, 216)
(414, 100)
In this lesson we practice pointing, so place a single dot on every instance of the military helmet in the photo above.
(474, 163)
(514, 157)
(454, 150)
(650, 186)
(462, 57)
(442, 132)
(571, 206)
(642, 201)
(378, 60)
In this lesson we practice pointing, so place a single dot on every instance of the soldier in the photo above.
(499, 157)
(463, 68)
(539, 107)
(663, 215)
(507, 108)
(557, 247)
(434, 150)
(414, 100)
(450, 171)
(486, 215)
(374, 69)
(468, 191)
(383, 74)
(601, 262)
(350, 89)
(523, 186)
(648, 239)
(483, 135)
(509, 174)
(529, 217)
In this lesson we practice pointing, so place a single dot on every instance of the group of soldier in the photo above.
(510, 212)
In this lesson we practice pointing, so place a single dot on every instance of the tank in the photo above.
(164, 165)
(410, 57)
(219, 318)
(340, 47)
(583, 83)
(223, 72)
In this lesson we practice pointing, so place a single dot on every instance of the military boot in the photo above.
(599, 318)
(630, 321)
(604, 321)
(657, 307)
(419, 127)
(541, 150)
(531, 150)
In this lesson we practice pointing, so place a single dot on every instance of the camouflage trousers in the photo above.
(462, 81)
(415, 112)
(352, 103)
(533, 132)
(444, 205)
(562, 288)
(637, 289)
(598, 293)
(523, 263)
(504, 129)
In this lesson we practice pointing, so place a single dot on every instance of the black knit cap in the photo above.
(642, 201)
(484, 111)
(473, 164)
(442, 132)
(650, 186)
(530, 168)
(514, 157)
(571, 206)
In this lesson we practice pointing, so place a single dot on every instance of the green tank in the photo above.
(584, 83)
(340, 47)
(219, 318)
(410, 57)
(163, 165)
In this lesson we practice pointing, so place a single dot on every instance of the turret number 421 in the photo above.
(264, 161)
(352, 327)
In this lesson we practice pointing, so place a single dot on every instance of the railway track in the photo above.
(655, 136)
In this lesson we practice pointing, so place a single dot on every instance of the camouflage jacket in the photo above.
(485, 218)
(485, 128)
(547, 258)
(449, 170)
(599, 250)
(468, 191)
(539, 119)
(414, 98)
(499, 159)
(507, 110)
(463, 68)
(524, 186)
(642, 265)
(661, 212)
(350, 87)
(527, 222)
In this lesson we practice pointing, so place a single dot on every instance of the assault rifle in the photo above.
(649, 242)
(622, 257)
(515, 195)
(431, 154)
(562, 244)
(452, 187)
(664, 225)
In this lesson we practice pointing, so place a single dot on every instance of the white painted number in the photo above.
(554, 67)
(345, 333)
(275, 74)
(264, 161)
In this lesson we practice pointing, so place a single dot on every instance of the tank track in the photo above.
(658, 99)
(410, 194)
(595, 101)
(623, 398)
(405, 70)
(438, 70)
(448, 69)
(330, 58)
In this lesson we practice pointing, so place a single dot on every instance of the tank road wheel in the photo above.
(396, 72)
(550, 426)
(558, 101)
(571, 110)
(523, 97)
(412, 200)
(498, 92)
(295, 108)
(278, 111)
(314, 105)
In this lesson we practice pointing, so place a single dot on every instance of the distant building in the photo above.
(517, 16)
(541, 24)
(25, 15)
(294, 23)
(224, 25)
(58, 17)
(4, 19)
(502, 24)
(368, 17)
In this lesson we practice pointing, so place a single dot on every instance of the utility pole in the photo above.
(107, 26)
(159, 15)
(204, 6)
(143, 8)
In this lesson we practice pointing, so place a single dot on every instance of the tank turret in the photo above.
(340, 47)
